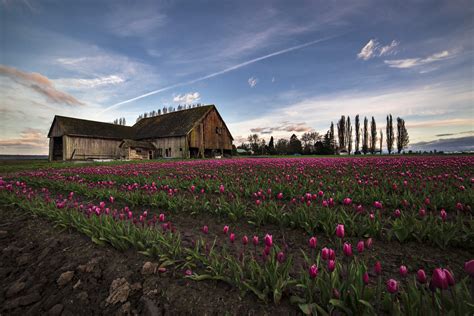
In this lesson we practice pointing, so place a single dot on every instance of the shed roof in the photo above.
(178, 123)
(130, 143)
(86, 128)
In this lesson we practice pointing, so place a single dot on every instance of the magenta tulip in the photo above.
(313, 271)
(331, 265)
(255, 240)
(221, 188)
(313, 241)
(368, 243)
(365, 278)
(268, 240)
(469, 268)
(449, 277)
(443, 215)
(280, 196)
(403, 271)
(392, 286)
(161, 218)
(332, 254)
(280, 257)
(397, 213)
(340, 231)
(378, 268)
(232, 237)
(245, 240)
(421, 276)
(226, 229)
(325, 253)
(360, 246)
(439, 279)
(205, 229)
(347, 249)
(422, 212)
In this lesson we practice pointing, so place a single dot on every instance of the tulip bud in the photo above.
(245, 240)
(340, 231)
(421, 276)
(226, 229)
(378, 268)
(439, 279)
(281, 257)
(392, 286)
(443, 215)
(188, 272)
(365, 278)
(232, 237)
(371, 217)
(336, 294)
(331, 265)
(161, 218)
(449, 277)
(422, 212)
(397, 213)
(313, 242)
(255, 240)
(332, 254)
(280, 196)
(313, 271)
(205, 229)
(469, 268)
(403, 271)
(221, 188)
(268, 240)
(347, 248)
(266, 251)
(360, 246)
(111, 199)
(325, 253)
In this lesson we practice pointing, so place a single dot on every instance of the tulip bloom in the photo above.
(268, 240)
(365, 278)
(347, 248)
(469, 268)
(340, 231)
(403, 271)
(443, 215)
(313, 271)
(325, 253)
(258, 202)
(360, 246)
(245, 240)
(280, 257)
(161, 218)
(232, 237)
(280, 196)
(313, 242)
(332, 254)
(226, 229)
(368, 243)
(378, 204)
(111, 199)
(221, 188)
(422, 212)
(397, 213)
(255, 240)
(392, 286)
(421, 276)
(378, 268)
(331, 265)
(449, 277)
(439, 279)
(205, 229)
(188, 272)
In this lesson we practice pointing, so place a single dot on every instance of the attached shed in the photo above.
(133, 149)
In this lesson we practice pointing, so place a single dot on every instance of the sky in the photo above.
(271, 67)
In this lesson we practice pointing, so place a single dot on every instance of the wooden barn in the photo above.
(192, 133)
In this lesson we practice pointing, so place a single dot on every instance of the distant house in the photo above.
(191, 133)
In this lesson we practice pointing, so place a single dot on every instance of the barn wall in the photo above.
(206, 134)
(56, 130)
(138, 153)
(178, 145)
(87, 148)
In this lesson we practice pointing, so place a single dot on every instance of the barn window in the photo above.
(138, 151)
(218, 130)
(181, 149)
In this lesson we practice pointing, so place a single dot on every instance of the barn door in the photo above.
(57, 148)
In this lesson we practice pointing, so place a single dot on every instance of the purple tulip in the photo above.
(360, 246)
(280, 257)
(347, 248)
(365, 278)
(340, 231)
(421, 276)
(403, 271)
(392, 286)
(313, 271)
(331, 265)
(313, 241)
(268, 240)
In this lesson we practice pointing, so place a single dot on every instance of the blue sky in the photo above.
(281, 66)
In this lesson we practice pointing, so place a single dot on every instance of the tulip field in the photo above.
(325, 236)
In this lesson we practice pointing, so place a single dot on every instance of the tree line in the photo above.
(365, 139)
(168, 109)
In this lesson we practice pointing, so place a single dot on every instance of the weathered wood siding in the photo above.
(88, 148)
(56, 130)
(211, 133)
(178, 145)
(138, 153)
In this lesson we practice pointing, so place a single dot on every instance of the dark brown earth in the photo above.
(45, 270)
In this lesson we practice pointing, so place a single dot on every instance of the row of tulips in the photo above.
(329, 280)
(424, 226)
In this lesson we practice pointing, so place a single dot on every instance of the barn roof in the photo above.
(79, 127)
(177, 123)
(130, 143)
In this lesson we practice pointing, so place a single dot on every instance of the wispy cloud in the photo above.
(283, 127)
(374, 49)
(464, 144)
(252, 82)
(414, 62)
(187, 98)
(29, 137)
(89, 83)
(135, 20)
(453, 134)
(40, 84)
(218, 73)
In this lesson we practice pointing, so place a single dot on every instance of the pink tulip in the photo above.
(372, 216)
(268, 240)
(255, 240)
(280, 257)
(365, 278)
(111, 199)
(313, 271)
(443, 215)
(397, 213)
(325, 203)
(347, 248)
(162, 270)
(439, 279)
(421, 276)
(102, 204)
(325, 253)
(360, 246)
(161, 218)
(258, 202)
(188, 272)
(320, 193)
(226, 229)
(392, 286)
(378, 268)
(347, 201)
(378, 204)
(193, 188)
(266, 251)
(232, 237)
(331, 265)
(403, 271)
(340, 231)
(313, 242)
(469, 268)
(332, 254)
(422, 212)
(427, 201)
(245, 240)
(205, 229)
(221, 188)
(368, 243)
(449, 277)
(280, 196)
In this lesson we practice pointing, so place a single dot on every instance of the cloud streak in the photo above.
(374, 49)
(224, 71)
(414, 62)
(284, 127)
(40, 84)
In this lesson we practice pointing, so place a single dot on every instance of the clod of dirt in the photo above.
(136, 286)
(149, 308)
(125, 310)
(149, 268)
(82, 296)
(89, 266)
(56, 310)
(65, 278)
(119, 291)
(78, 283)
(16, 288)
